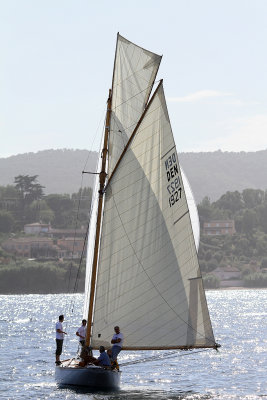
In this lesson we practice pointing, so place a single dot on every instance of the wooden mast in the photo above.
(102, 178)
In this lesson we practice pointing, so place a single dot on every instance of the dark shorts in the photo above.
(59, 346)
(115, 351)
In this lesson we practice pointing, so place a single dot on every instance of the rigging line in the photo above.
(83, 250)
(130, 98)
(81, 258)
(72, 302)
(76, 225)
(161, 357)
(95, 135)
(139, 261)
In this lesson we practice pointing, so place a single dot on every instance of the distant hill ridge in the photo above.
(60, 171)
(210, 174)
(214, 173)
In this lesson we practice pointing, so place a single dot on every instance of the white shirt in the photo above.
(82, 331)
(59, 335)
(118, 336)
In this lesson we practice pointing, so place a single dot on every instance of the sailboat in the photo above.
(142, 268)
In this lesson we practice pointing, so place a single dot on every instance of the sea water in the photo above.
(237, 371)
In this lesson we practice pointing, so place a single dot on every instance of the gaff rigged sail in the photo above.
(148, 279)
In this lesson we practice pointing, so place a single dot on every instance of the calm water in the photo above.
(238, 371)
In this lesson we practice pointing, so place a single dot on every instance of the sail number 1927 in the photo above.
(174, 183)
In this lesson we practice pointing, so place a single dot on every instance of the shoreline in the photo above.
(237, 288)
(232, 288)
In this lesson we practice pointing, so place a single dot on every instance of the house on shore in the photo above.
(37, 228)
(217, 228)
(40, 229)
(228, 276)
(44, 247)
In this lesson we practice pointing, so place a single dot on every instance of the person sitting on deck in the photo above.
(86, 356)
(103, 360)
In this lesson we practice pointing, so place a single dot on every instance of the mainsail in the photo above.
(148, 279)
(135, 70)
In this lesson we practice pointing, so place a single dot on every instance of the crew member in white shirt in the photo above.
(59, 338)
(81, 332)
(117, 341)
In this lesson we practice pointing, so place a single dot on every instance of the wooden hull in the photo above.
(89, 376)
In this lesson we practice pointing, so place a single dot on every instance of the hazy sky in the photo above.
(56, 60)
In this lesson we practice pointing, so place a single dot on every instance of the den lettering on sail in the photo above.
(174, 182)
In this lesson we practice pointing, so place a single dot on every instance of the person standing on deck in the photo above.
(81, 332)
(117, 341)
(59, 338)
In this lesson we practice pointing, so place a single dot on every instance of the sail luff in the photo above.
(114, 63)
(102, 178)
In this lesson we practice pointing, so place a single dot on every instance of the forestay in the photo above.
(148, 280)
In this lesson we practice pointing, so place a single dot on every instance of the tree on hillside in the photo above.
(249, 221)
(6, 221)
(62, 206)
(82, 203)
(263, 217)
(231, 201)
(253, 197)
(9, 198)
(204, 210)
(40, 211)
(28, 187)
(68, 209)
(29, 190)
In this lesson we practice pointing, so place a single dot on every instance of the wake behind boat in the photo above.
(142, 269)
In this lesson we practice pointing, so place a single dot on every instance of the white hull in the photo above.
(90, 376)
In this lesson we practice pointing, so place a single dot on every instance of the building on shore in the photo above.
(222, 227)
(228, 276)
(44, 247)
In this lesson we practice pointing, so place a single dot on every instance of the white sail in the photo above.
(135, 70)
(148, 279)
(192, 208)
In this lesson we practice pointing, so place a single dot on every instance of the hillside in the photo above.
(214, 173)
(210, 174)
(59, 171)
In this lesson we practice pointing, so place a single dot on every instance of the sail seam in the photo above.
(174, 147)
(175, 222)
(135, 95)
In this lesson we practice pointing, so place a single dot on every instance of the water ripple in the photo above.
(237, 371)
